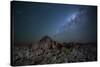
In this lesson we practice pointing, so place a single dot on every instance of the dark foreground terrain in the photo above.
(47, 51)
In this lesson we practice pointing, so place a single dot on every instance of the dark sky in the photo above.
(61, 22)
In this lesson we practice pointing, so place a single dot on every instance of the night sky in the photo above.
(62, 22)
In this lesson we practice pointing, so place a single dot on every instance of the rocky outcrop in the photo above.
(48, 51)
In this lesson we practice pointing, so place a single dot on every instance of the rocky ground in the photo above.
(47, 51)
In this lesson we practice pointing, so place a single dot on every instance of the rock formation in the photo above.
(48, 51)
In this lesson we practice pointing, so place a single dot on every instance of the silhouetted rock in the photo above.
(45, 42)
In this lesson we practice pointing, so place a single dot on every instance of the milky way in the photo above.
(74, 19)
(62, 22)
